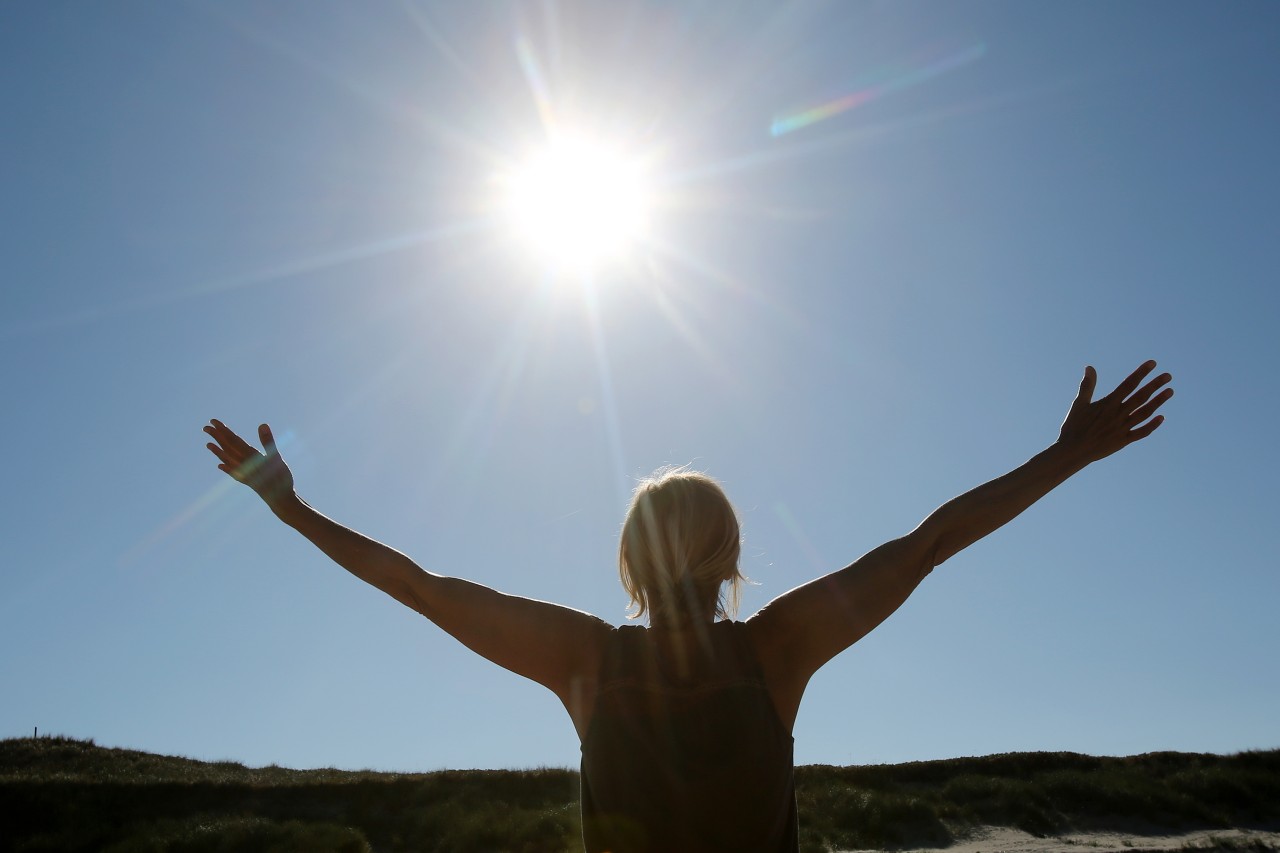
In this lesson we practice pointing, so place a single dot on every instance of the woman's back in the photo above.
(685, 751)
(686, 734)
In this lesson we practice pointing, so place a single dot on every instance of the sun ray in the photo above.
(475, 429)
(781, 313)
(537, 81)
(696, 341)
(422, 21)
(264, 275)
(608, 402)
(816, 561)
(337, 257)
(216, 496)
(209, 498)
(776, 308)
(371, 96)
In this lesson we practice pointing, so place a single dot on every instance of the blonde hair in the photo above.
(680, 542)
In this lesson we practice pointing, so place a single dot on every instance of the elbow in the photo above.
(936, 556)
(406, 584)
(934, 545)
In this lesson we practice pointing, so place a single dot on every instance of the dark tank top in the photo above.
(685, 752)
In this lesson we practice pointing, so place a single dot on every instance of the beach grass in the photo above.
(65, 794)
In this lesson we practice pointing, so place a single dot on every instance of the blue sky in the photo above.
(276, 213)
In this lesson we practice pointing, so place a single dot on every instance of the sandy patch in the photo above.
(1003, 840)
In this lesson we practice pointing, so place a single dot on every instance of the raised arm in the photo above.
(802, 629)
(555, 646)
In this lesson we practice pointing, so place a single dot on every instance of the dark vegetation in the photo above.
(933, 803)
(60, 794)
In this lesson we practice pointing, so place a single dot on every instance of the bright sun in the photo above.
(578, 202)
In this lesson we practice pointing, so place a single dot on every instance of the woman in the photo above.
(686, 725)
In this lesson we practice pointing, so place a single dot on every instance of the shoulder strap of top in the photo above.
(744, 649)
(631, 651)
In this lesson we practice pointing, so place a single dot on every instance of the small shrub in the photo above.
(236, 834)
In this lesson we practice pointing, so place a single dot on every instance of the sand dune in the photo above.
(1004, 840)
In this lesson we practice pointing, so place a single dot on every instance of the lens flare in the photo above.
(877, 85)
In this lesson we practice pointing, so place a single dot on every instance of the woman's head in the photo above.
(680, 542)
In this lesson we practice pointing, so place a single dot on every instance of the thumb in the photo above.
(1090, 381)
(268, 440)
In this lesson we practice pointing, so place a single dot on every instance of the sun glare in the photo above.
(579, 203)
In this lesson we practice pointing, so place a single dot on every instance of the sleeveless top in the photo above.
(685, 752)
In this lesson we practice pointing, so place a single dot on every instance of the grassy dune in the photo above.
(61, 794)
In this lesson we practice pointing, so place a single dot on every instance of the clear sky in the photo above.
(886, 239)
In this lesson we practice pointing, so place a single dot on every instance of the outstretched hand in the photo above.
(265, 473)
(1098, 428)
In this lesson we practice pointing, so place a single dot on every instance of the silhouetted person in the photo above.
(686, 724)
